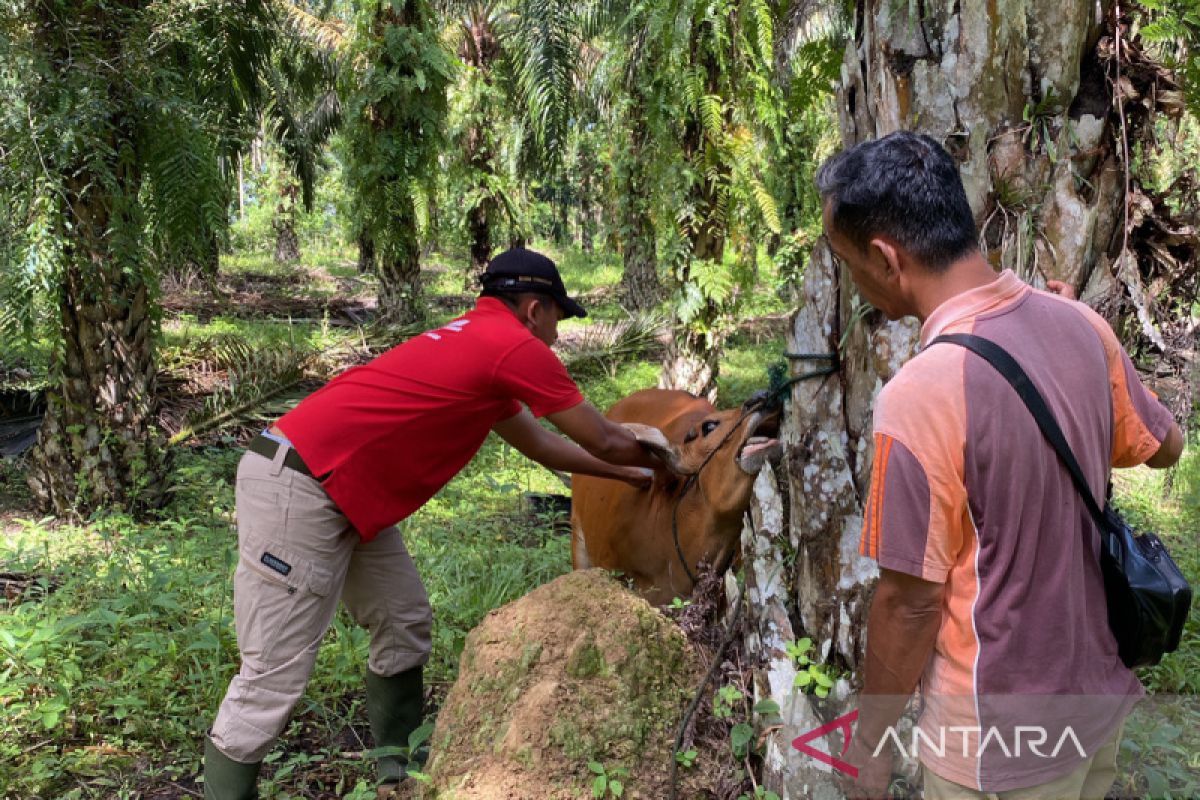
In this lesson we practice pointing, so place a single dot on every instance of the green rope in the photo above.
(779, 382)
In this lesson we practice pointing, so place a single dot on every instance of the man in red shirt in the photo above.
(319, 495)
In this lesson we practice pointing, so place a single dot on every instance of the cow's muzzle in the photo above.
(760, 443)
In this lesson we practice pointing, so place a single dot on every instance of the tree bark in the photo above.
(394, 236)
(287, 243)
(401, 301)
(641, 289)
(1016, 91)
(692, 359)
(99, 446)
(479, 231)
(433, 228)
(366, 251)
(208, 261)
(479, 50)
(241, 179)
(587, 195)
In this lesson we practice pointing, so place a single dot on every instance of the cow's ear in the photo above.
(656, 442)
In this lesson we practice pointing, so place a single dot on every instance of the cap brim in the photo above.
(571, 308)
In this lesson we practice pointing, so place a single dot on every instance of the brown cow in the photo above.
(618, 527)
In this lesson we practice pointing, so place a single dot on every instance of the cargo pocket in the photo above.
(281, 601)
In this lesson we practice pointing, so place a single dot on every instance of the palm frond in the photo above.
(604, 345)
(328, 35)
(257, 375)
(187, 189)
(544, 48)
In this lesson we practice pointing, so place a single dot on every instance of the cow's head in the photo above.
(723, 449)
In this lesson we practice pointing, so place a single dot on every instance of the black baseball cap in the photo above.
(520, 270)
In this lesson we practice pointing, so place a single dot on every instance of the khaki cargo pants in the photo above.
(1091, 780)
(297, 556)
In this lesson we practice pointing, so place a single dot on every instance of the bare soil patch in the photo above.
(579, 670)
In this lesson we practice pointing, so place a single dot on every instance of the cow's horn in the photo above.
(653, 440)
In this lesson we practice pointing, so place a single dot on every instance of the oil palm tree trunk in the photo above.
(1055, 179)
(287, 243)
(99, 446)
(398, 266)
(640, 286)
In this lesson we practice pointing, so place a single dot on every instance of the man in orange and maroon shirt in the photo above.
(990, 594)
(319, 495)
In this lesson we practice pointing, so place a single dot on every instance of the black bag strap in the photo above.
(1007, 366)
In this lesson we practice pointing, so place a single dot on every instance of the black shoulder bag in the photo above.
(1148, 598)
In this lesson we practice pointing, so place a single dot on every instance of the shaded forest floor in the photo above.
(116, 637)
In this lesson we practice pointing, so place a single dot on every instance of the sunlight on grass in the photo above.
(744, 370)
(585, 272)
(124, 646)
(337, 259)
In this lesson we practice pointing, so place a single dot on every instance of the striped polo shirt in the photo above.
(966, 491)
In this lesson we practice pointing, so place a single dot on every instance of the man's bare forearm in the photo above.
(568, 457)
(902, 628)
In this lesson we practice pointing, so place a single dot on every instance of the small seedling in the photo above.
(811, 677)
(740, 738)
(759, 794)
(686, 758)
(678, 604)
(409, 755)
(724, 700)
(607, 782)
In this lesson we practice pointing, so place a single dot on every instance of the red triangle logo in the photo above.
(844, 723)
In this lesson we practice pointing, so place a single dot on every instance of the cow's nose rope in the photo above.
(772, 399)
(691, 481)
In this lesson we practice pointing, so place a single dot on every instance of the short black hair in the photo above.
(904, 186)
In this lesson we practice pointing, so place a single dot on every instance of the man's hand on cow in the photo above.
(654, 442)
(638, 477)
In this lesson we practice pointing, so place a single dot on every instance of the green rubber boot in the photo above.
(226, 779)
(394, 707)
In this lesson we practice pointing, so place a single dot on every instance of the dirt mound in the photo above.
(579, 670)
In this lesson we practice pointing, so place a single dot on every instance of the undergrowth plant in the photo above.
(607, 782)
(112, 667)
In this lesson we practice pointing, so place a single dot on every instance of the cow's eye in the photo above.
(708, 426)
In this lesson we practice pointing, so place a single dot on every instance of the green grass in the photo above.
(182, 332)
(1144, 499)
(113, 676)
(126, 660)
(584, 272)
(108, 680)
(744, 369)
(338, 259)
(1160, 747)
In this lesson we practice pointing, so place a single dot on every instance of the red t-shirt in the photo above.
(395, 431)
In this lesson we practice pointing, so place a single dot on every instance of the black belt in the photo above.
(267, 448)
